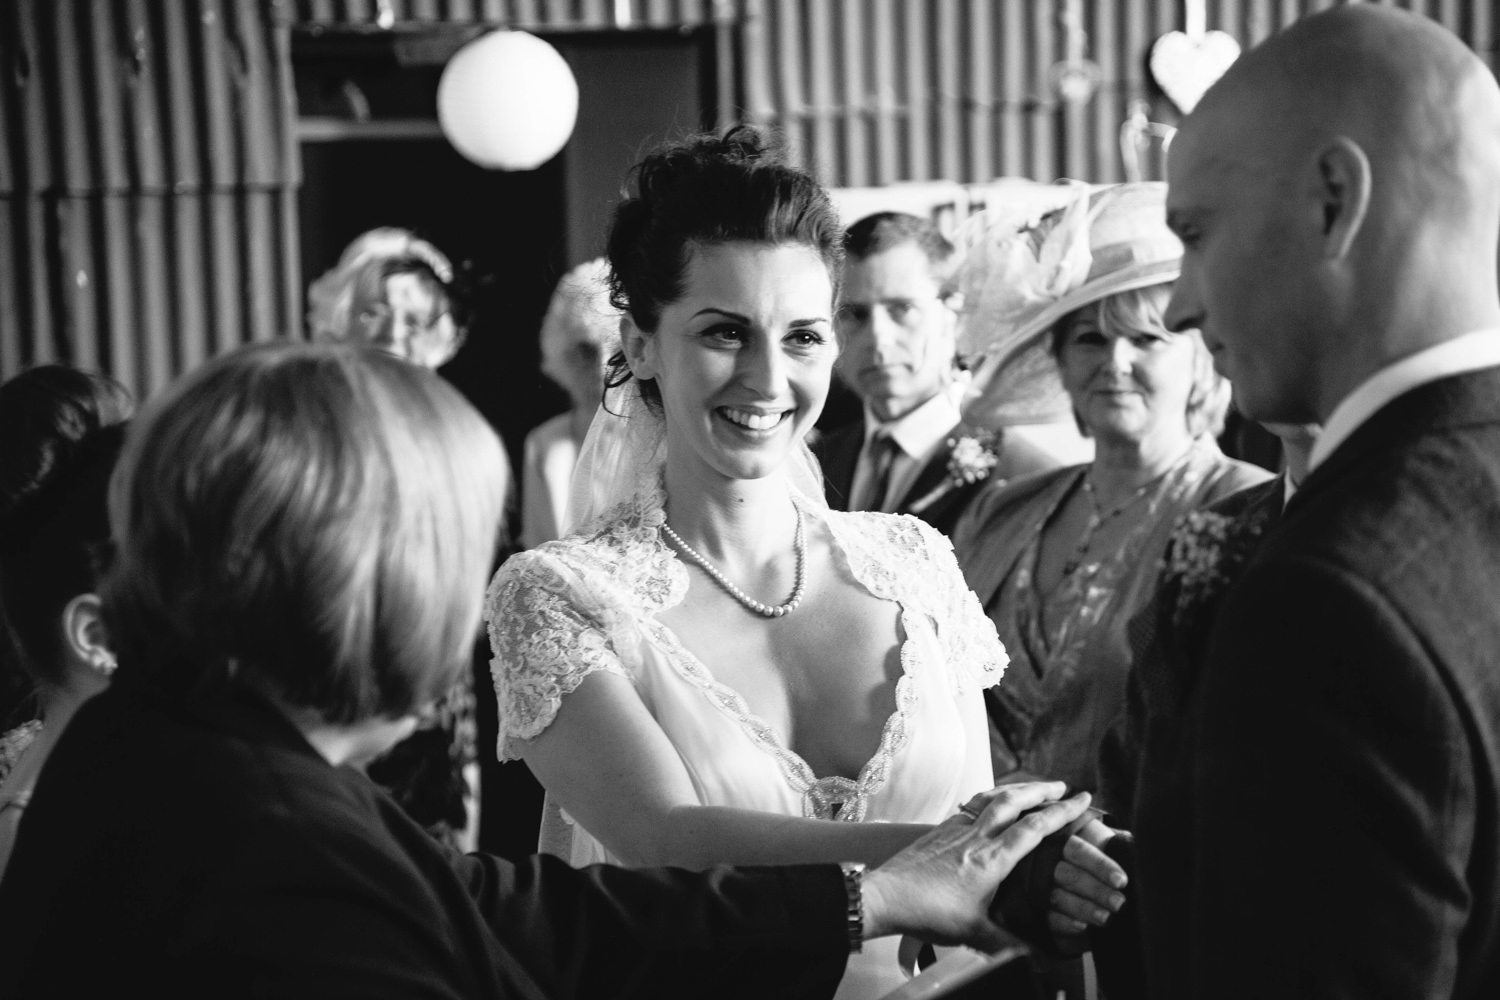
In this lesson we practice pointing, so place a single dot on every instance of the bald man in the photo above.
(1329, 825)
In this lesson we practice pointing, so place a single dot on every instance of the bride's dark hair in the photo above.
(709, 189)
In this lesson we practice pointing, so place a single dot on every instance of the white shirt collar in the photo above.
(1467, 353)
(921, 430)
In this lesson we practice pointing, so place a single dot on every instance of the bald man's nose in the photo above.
(1182, 311)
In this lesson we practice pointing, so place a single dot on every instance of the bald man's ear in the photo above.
(1344, 183)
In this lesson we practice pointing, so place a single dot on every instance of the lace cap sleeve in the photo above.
(547, 633)
(975, 656)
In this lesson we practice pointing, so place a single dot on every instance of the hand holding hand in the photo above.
(941, 887)
(1086, 887)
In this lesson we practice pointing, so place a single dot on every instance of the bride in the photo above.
(714, 667)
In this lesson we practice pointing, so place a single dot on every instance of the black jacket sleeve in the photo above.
(612, 932)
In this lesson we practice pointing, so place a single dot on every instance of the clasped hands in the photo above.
(942, 888)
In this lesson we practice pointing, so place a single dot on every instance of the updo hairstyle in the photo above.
(708, 190)
(62, 432)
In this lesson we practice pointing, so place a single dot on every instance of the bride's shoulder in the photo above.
(619, 561)
(891, 539)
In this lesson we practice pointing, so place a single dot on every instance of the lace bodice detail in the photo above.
(586, 603)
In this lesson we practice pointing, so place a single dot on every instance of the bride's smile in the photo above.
(743, 359)
(753, 421)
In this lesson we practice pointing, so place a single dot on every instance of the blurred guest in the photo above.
(579, 333)
(392, 291)
(302, 536)
(62, 434)
(1062, 561)
(911, 453)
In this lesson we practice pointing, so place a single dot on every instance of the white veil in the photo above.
(625, 451)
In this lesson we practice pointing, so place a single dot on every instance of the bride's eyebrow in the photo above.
(741, 318)
(737, 317)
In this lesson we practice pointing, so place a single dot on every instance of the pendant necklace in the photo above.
(1097, 518)
(765, 610)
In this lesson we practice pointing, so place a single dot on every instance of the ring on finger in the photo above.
(970, 812)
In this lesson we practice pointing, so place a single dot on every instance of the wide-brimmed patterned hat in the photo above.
(1036, 253)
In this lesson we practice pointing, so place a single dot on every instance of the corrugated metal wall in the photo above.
(149, 165)
(873, 91)
(532, 15)
(148, 176)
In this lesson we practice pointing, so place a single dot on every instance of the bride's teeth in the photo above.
(754, 421)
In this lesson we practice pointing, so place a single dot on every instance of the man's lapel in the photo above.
(933, 475)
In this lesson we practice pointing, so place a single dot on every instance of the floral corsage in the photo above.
(1207, 553)
(972, 457)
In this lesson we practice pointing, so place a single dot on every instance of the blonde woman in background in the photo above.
(1063, 560)
(581, 331)
(392, 291)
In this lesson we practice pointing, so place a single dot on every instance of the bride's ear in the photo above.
(639, 347)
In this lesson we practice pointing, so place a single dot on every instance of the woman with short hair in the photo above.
(1063, 560)
(393, 291)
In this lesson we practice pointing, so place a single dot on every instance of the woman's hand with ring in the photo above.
(941, 887)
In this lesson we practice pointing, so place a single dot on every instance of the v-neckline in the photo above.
(833, 789)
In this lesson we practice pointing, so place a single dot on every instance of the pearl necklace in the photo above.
(766, 610)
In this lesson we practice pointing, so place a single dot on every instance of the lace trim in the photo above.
(975, 656)
(638, 576)
(543, 649)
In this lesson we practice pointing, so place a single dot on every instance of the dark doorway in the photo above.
(504, 233)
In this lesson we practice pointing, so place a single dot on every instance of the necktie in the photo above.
(883, 452)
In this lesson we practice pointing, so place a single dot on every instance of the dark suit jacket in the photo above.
(1169, 642)
(838, 453)
(211, 852)
(1340, 831)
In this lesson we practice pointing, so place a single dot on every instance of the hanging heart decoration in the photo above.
(1185, 67)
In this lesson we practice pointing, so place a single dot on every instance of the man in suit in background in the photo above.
(1335, 825)
(898, 323)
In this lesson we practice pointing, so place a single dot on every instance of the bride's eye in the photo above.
(806, 338)
(726, 335)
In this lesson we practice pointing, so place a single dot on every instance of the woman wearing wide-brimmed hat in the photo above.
(1064, 559)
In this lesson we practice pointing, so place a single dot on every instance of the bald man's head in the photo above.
(1338, 192)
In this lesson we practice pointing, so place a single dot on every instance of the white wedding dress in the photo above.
(591, 602)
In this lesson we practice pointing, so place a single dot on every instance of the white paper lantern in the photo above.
(507, 101)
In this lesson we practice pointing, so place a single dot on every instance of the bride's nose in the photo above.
(763, 368)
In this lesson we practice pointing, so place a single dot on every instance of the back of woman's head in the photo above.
(312, 520)
(61, 434)
(711, 190)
